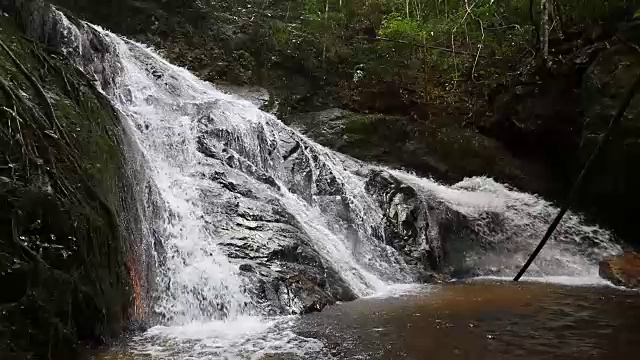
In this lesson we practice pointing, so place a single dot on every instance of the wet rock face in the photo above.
(69, 224)
(283, 272)
(434, 231)
(431, 235)
(301, 226)
(405, 219)
(623, 270)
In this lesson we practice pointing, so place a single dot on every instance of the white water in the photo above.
(203, 299)
(573, 250)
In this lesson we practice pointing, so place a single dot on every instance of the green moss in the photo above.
(62, 172)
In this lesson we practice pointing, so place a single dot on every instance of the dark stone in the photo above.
(272, 250)
(246, 268)
(70, 226)
(406, 220)
(623, 270)
(557, 117)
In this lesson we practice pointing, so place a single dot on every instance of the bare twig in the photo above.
(480, 46)
(473, 71)
(455, 60)
(453, 51)
(15, 116)
(35, 84)
(535, 25)
(504, 27)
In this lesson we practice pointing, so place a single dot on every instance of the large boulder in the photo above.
(623, 270)
(438, 148)
(406, 224)
(478, 228)
(70, 264)
(275, 254)
(284, 273)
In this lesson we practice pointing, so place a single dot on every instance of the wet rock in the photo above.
(437, 148)
(71, 264)
(442, 239)
(623, 270)
(405, 219)
(309, 292)
(256, 95)
(299, 168)
(435, 278)
(284, 273)
(429, 233)
(246, 268)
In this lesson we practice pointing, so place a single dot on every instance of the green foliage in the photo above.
(402, 28)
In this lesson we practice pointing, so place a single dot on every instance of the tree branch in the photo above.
(422, 45)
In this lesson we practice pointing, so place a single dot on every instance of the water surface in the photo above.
(480, 319)
(485, 320)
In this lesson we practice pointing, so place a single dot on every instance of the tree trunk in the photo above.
(544, 32)
(324, 42)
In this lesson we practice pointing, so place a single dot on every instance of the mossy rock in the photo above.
(63, 189)
(438, 148)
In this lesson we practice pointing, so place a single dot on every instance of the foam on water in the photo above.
(243, 337)
(400, 290)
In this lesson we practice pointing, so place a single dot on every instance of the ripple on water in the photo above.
(484, 319)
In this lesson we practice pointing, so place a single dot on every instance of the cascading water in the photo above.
(504, 226)
(258, 220)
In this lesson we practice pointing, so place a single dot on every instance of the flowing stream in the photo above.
(239, 202)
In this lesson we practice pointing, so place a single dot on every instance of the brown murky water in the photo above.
(485, 320)
(469, 320)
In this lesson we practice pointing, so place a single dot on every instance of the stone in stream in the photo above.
(405, 220)
(622, 270)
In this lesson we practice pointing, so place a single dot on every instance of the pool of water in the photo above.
(481, 319)
(485, 320)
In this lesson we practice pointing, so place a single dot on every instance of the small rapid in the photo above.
(252, 221)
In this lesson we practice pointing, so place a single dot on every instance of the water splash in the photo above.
(506, 225)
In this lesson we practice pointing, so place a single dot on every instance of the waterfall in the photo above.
(254, 219)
